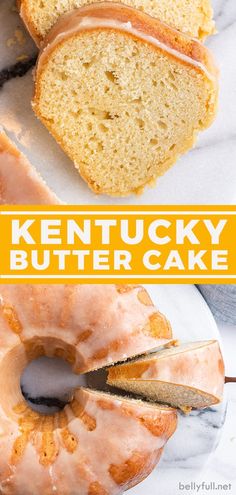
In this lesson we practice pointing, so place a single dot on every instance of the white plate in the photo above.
(197, 435)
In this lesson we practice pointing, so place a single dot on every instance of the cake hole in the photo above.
(63, 76)
(140, 123)
(134, 51)
(103, 128)
(76, 113)
(50, 120)
(99, 146)
(136, 101)
(162, 124)
(87, 65)
(171, 75)
(174, 86)
(110, 75)
(100, 114)
(153, 142)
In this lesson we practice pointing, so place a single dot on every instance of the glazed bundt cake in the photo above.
(133, 94)
(194, 18)
(101, 444)
(19, 181)
(186, 376)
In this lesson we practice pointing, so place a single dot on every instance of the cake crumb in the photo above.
(186, 409)
(10, 42)
(172, 343)
(22, 58)
(20, 37)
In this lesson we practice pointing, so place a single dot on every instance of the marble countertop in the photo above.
(206, 175)
(221, 467)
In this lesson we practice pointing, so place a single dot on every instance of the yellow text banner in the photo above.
(75, 244)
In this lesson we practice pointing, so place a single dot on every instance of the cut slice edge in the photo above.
(180, 376)
(125, 399)
(175, 395)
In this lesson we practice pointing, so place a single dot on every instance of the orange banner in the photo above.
(141, 244)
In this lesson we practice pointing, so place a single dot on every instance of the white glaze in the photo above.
(66, 312)
(87, 22)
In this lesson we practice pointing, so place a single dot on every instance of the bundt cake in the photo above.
(92, 326)
(19, 181)
(101, 444)
(194, 18)
(186, 376)
(133, 94)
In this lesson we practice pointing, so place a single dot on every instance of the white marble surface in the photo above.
(205, 175)
(189, 450)
(221, 467)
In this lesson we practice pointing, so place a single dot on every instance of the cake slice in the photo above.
(186, 376)
(123, 94)
(194, 18)
(19, 181)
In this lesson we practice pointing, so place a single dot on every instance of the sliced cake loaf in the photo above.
(194, 18)
(19, 181)
(186, 376)
(123, 94)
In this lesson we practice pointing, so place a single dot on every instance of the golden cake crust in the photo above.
(155, 28)
(175, 45)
